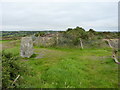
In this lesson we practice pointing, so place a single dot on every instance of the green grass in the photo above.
(9, 44)
(4, 41)
(69, 68)
(14, 51)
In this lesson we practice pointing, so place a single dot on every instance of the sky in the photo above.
(39, 15)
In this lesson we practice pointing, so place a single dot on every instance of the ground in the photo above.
(67, 67)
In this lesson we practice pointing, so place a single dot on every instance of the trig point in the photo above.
(26, 49)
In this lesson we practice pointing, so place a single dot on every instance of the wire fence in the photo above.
(69, 41)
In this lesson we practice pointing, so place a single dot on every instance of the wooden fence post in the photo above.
(81, 43)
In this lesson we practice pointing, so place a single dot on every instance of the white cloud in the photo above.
(0, 17)
(59, 16)
(103, 24)
(60, 1)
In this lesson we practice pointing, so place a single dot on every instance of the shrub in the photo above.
(11, 68)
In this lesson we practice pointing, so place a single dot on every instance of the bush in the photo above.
(11, 68)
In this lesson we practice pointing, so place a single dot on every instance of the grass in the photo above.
(4, 41)
(69, 68)
(5, 44)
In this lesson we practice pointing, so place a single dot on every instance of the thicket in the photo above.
(73, 37)
(11, 68)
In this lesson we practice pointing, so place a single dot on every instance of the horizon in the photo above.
(54, 30)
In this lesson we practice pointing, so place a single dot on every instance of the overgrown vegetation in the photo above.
(63, 64)
(73, 37)
(70, 68)
(11, 68)
(76, 32)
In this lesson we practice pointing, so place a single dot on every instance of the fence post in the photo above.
(81, 43)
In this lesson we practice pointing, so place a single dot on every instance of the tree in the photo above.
(40, 34)
(69, 29)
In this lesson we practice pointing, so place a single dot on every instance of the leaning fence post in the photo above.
(57, 38)
(109, 43)
(15, 79)
(81, 43)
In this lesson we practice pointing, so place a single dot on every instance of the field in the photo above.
(67, 67)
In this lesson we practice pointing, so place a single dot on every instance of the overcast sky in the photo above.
(59, 15)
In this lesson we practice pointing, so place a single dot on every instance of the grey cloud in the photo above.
(42, 16)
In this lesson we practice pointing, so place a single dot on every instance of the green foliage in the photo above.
(11, 68)
(69, 29)
(33, 56)
(71, 38)
(77, 32)
(66, 68)
(40, 34)
(91, 30)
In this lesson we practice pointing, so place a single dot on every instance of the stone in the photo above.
(44, 41)
(26, 49)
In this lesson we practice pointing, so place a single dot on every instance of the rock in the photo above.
(44, 41)
(26, 47)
